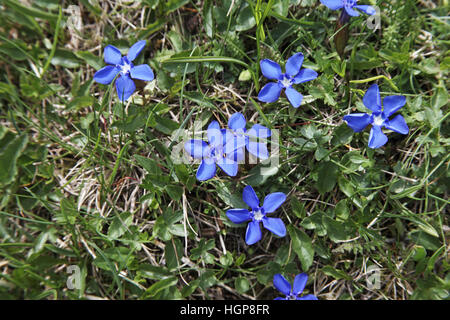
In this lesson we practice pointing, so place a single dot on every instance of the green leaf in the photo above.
(80, 102)
(172, 5)
(208, 18)
(342, 135)
(148, 164)
(173, 253)
(12, 51)
(424, 239)
(226, 259)
(91, 59)
(8, 158)
(154, 272)
(202, 251)
(336, 274)
(175, 192)
(327, 177)
(188, 290)
(259, 174)
(245, 75)
(159, 286)
(242, 284)
(245, 19)
(120, 225)
(335, 230)
(419, 253)
(298, 208)
(69, 212)
(341, 210)
(65, 58)
(440, 98)
(302, 246)
(165, 125)
(30, 11)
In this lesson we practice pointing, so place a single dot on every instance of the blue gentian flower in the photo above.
(379, 117)
(292, 293)
(272, 70)
(348, 6)
(258, 214)
(221, 150)
(237, 124)
(124, 65)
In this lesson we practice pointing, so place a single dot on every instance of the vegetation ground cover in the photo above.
(89, 183)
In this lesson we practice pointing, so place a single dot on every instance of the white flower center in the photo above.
(125, 69)
(258, 215)
(378, 121)
(286, 82)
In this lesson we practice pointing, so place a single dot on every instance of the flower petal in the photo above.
(259, 150)
(367, 9)
(282, 284)
(294, 97)
(275, 225)
(305, 75)
(136, 49)
(237, 121)
(372, 98)
(253, 233)
(106, 74)
(229, 166)
(206, 171)
(308, 297)
(351, 12)
(259, 131)
(112, 55)
(237, 155)
(358, 121)
(233, 142)
(249, 196)
(142, 72)
(270, 92)
(273, 201)
(214, 134)
(196, 148)
(391, 104)
(239, 215)
(125, 87)
(377, 138)
(333, 4)
(300, 283)
(270, 69)
(294, 64)
(398, 124)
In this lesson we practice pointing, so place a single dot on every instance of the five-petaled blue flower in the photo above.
(124, 65)
(221, 150)
(258, 214)
(379, 117)
(272, 70)
(293, 293)
(348, 6)
(237, 124)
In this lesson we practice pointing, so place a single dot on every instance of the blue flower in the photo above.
(258, 214)
(237, 124)
(272, 70)
(348, 6)
(379, 117)
(293, 293)
(124, 65)
(221, 150)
